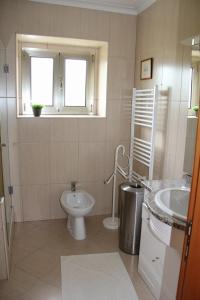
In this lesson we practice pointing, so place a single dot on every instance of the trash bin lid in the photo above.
(132, 187)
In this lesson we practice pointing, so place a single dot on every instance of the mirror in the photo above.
(193, 106)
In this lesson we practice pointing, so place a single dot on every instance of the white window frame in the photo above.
(87, 109)
(59, 54)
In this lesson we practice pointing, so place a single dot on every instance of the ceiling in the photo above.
(130, 7)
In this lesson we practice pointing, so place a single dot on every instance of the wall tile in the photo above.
(92, 130)
(125, 129)
(181, 140)
(14, 163)
(113, 109)
(68, 24)
(34, 130)
(56, 191)
(126, 108)
(11, 60)
(34, 18)
(91, 161)
(12, 120)
(64, 130)
(120, 78)
(95, 24)
(122, 35)
(36, 204)
(97, 190)
(109, 158)
(127, 78)
(18, 204)
(64, 162)
(113, 130)
(187, 61)
(114, 91)
(171, 139)
(189, 22)
(4, 120)
(2, 74)
(172, 125)
(34, 163)
(172, 72)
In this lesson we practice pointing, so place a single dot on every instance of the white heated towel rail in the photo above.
(144, 107)
(144, 104)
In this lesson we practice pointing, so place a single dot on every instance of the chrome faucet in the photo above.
(187, 180)
(73, 186)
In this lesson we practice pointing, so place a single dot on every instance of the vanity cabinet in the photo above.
(151, 257)
(159, 264)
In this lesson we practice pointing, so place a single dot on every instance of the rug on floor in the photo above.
(96, 277)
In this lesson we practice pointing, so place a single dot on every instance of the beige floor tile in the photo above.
(13, 295)
(30, 242)
(43, 292)
(40, 263)
(18, 284)
(53, 278)
(10, 287)
(24, 279)
(19, 252)
(37, 248)
(24, 227)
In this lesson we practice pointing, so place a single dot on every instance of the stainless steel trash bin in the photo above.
(131, 197)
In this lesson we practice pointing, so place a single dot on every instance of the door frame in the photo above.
(188, 285)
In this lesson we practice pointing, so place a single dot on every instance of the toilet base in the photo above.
(76, 226)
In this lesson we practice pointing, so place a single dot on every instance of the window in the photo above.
(67, 76)
(61, 83)
(190, 89)
(42, 80)
(75, 82)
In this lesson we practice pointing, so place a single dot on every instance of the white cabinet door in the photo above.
(151, 257)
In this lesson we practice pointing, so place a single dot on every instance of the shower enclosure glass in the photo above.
(4, 144)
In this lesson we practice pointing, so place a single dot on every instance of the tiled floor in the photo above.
(37, 248)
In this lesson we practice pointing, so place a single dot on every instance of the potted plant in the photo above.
(195, 108)
(37, 109)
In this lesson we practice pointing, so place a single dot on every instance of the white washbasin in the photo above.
(174, 201)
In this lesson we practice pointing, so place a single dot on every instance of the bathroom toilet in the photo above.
(77, 204)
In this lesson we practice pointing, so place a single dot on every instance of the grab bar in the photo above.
(108, 180)
(122, 172)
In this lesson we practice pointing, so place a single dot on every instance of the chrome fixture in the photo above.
(73, 186)
(187, 180)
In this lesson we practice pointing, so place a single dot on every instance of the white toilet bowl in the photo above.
(77, 205)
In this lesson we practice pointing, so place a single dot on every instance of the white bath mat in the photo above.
(96, 277)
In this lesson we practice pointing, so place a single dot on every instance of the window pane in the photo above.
(190, 88)
(75, 82)
(42, 80)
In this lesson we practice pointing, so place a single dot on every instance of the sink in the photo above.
(174, 201)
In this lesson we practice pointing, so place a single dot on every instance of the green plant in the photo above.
(195, 108)
(37, 106)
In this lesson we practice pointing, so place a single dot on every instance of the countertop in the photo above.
(153, 186)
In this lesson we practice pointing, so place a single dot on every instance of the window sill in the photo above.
(61, 116)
